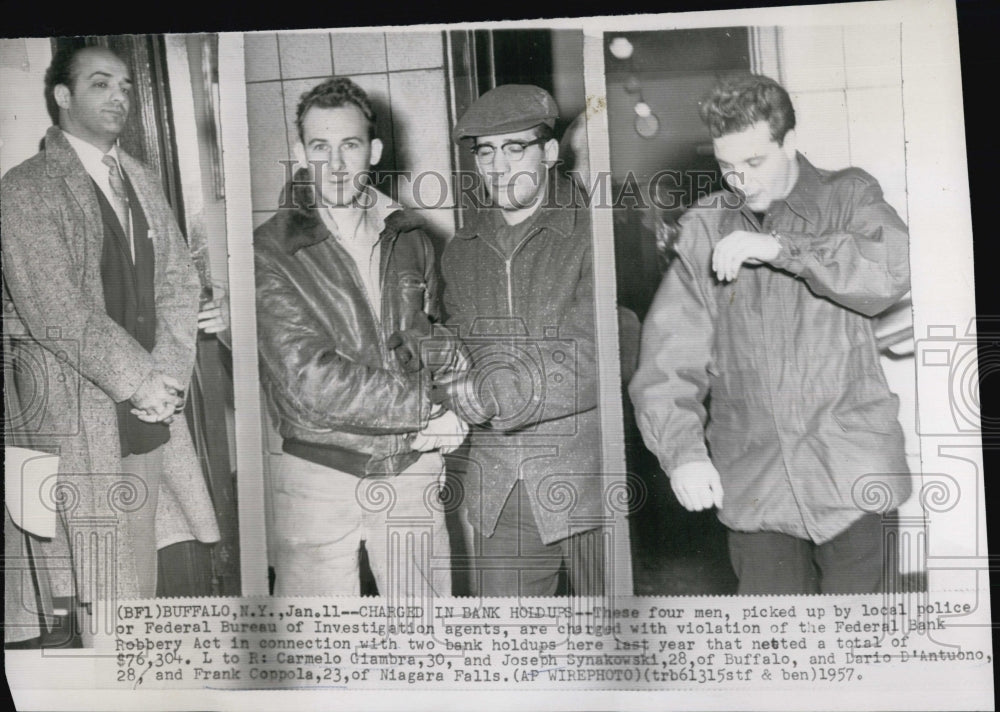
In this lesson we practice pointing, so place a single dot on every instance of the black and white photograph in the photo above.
(618, 362)
(761, 248)
(425, 315)
(120, 460)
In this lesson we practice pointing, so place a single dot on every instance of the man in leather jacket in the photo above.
(768, 308)
(339, 271)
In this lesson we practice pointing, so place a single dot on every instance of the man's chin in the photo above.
(508, 202)
(337, 198)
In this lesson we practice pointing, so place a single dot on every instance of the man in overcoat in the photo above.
(101, 299)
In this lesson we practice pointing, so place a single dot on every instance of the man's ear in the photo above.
(376, 151)
(791, 143)
(62, 94)
(551, 151)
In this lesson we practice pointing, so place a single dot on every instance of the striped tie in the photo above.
(120, 197)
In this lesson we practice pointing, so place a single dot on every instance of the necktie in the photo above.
(120, 197)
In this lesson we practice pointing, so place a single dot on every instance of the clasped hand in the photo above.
(444, 433)
(462, 394)
(422, 346)
(158, 398)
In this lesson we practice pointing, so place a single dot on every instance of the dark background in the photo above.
(979, 27)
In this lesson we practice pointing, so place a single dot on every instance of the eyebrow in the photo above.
(102, 73)
(323, 140)
(505, 143)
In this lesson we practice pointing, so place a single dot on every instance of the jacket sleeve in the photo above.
(178, 291)
(865, 266)
(316, 385)
(46, 287)
(432, 304)
(676, 354)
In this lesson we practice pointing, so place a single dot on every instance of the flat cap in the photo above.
(506, 109)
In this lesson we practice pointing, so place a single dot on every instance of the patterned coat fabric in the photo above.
(77, 362)
(527, 321)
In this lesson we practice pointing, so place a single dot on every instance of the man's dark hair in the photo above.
(544, 132)
(741, 100)
(339, 91)
(61, 71)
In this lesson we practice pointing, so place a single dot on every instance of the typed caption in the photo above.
(545, 644)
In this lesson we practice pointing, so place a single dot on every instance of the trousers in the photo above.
(322, 515)
(515, 561)
(854, 561)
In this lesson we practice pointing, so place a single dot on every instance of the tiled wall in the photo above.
(404, 75)
(846, 86)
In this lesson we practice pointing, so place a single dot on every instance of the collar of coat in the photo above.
(804, 198)
(306, 226)
(61, 159)
(557, 213)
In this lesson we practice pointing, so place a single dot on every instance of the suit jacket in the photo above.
(82, 362)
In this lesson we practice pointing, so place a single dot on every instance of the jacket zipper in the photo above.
(509, 264)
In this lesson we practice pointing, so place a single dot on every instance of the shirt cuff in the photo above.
(790, 257)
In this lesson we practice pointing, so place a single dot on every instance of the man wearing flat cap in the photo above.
(518, 291)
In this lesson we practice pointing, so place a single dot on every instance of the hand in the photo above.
(406, 344)
(424, 347)
(158, 398)
(741, 247)
(697, 485)
(444, 433)
(214, 316)
(461, 396)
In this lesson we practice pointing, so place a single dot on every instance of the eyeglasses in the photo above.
(513, 151)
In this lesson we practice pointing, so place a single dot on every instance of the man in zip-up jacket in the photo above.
(518, 290)
(339, 270)
(768, 307)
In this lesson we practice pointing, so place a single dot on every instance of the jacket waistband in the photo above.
(332, 456)
(352, 462)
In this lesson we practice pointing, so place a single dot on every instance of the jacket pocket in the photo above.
(878, 416)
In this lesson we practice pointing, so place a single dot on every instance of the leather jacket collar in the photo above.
(305, 227)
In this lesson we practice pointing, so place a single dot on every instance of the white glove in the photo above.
(444, 433)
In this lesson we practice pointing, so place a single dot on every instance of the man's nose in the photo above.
(336, 160)
(119, 96)
(500, 162)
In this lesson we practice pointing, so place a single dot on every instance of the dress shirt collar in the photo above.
(92, 157)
